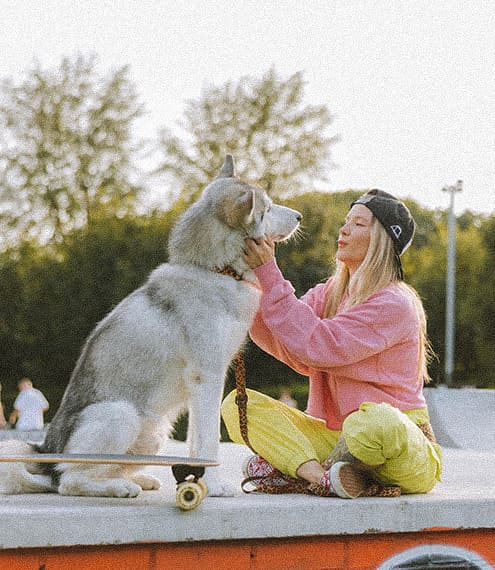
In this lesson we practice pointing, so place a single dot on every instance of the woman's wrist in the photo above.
(258, 251)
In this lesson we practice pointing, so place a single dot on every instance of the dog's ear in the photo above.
(228, 168)
(246, 203)
(236, 210)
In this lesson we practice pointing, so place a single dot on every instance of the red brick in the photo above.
(106, 558)
(300, 554)
(18, 560)
(189, 556)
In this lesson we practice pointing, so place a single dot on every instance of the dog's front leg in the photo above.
(204, 429)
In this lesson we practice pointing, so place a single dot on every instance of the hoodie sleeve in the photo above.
(300, 335)
(267, 340)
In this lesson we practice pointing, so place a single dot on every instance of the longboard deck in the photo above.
(108, 459)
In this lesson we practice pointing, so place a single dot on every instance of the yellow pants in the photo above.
(376, 434)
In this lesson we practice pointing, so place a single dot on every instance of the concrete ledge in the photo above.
(34, 436)
(464, 500)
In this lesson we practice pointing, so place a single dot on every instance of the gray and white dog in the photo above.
(165, 348)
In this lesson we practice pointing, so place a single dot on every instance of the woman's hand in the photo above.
(258, 251)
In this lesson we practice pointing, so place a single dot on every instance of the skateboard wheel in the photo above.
(189, 495)
(204, 488)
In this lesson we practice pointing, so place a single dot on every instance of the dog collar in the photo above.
(229, 271)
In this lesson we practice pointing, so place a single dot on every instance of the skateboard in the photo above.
(188, 471)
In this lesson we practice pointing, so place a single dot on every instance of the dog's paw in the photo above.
(123, 488)
(119, 488)
(146, 482)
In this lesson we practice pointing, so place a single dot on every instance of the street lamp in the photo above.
(450, 288)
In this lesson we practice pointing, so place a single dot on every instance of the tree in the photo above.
(51, 298)
(474, 303)
(484, 301)
(263, 123)
(66, 147)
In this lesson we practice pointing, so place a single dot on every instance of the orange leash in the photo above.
(241, 398)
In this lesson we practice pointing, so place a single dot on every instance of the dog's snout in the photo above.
(298, 216)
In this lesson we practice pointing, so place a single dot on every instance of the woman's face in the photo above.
(354, 237)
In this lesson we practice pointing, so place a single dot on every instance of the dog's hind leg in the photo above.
(106, 427)
(150, 442)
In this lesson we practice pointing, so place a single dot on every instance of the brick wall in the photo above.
(361, 552)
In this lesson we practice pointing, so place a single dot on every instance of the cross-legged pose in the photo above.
(361, 340)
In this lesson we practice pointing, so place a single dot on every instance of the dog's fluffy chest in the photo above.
(203, 298)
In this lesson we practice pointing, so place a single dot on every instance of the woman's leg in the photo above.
(287, 438)
(382, 436)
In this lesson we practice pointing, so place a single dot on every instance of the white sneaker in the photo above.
(346, 481)
(261, 472)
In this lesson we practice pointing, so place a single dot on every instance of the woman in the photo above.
(361, 340)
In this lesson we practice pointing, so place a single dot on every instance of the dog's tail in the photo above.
(17, 478)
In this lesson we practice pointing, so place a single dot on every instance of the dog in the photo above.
(164, 349)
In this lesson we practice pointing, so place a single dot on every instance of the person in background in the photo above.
(29, 407)
(287, 399)
(361, 340)
(3, 422)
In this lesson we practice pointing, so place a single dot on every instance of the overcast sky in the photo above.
(411, 83)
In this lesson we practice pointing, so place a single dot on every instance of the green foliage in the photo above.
(476, 267)
(309, 259)
(264, 123)
(52, 298)
(67, 179)
(66, 148)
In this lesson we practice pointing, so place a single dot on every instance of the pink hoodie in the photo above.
(366, 354)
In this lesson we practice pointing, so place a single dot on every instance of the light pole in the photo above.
(450, 288)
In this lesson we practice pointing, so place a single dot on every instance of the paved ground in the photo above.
(465, 498)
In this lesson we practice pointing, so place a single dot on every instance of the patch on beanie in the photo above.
(396, 230)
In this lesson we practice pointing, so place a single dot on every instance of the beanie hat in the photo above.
(394, 216)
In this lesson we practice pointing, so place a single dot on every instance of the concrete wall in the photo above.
(463, 418)
(31, 436)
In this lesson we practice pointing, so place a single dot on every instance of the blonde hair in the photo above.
(378, 269)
